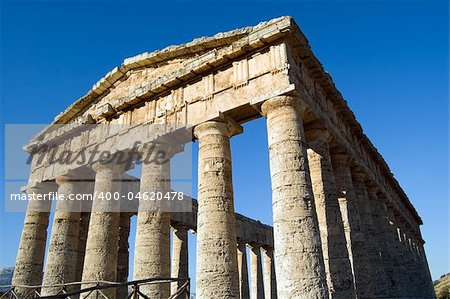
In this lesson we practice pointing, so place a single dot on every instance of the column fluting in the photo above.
(298, 255)
(257, 282)
(337, 263)
(270, 282)
(100, 262)
(244, 290)
(180, 257)
(123, 254)
(217, 270)
(30, 255)
(63, 248)
(152, 247)
(350, 216)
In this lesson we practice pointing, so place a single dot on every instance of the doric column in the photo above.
(428, 289)
(396, 261)
(376, 233)
(296, 233)
(86, 207)
(337, 263)
(82, 238)
(257, 282)
(123, 255)
(387, 236)
(409, 265)
(244, 291)
(30, 255)
(62, 252)
(270, 282)
(350, 216)
(217, 270)
(100, 262)
(413, 262)
(366, 254)
(402, 269)
(180, 258)
(152, 249)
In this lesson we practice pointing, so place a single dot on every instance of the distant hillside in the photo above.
(442, 287)
(5, 277)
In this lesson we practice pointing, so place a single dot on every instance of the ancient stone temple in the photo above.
(342, 225)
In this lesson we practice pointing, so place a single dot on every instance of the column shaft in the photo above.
(270, 282)
(409, 266)
(298, 255)
(351, 219)
(62, 252)
(180, 258)
(123, 255)
(388, 254)
(30, 255)
(375, 233)
(428, 289)
(244, 290)
(217, 270)
(100, 262)
(365, 254)
(257, 290)
(395, 261)
(82, 238)
(152, 249)
(337, 263)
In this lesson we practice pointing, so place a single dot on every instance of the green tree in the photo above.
(444, 293)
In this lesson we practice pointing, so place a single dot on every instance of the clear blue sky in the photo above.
(389, 60)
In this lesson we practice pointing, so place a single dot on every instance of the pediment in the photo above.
(165, 67)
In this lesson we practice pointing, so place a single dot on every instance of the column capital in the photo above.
(340, 157)
(179, 227)
(316, 131)
(267, 248)
(359, 174)
(241, 242)
(170, 148)
(283, 101)
(110, 165)
(339, 154)
(65, 179)
(39, 187)
(254, 245)
(373, 190)
(225, 127)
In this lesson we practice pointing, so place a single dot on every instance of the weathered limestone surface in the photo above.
(180, 261)
(247, 230)
(244, 291)
(428, 289)
(82, 238)
(296, 231)
(337, 264)
(62, 253)
(123, 253)
(257, 282)
(100, 262)
(410, 262)
(397, 254)
(366, 253)
(234, 76)
(30, 255)
(391, 255)
(377, 235)
(270, 282)
(351, 219)
(217, 269)
(152, 249)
